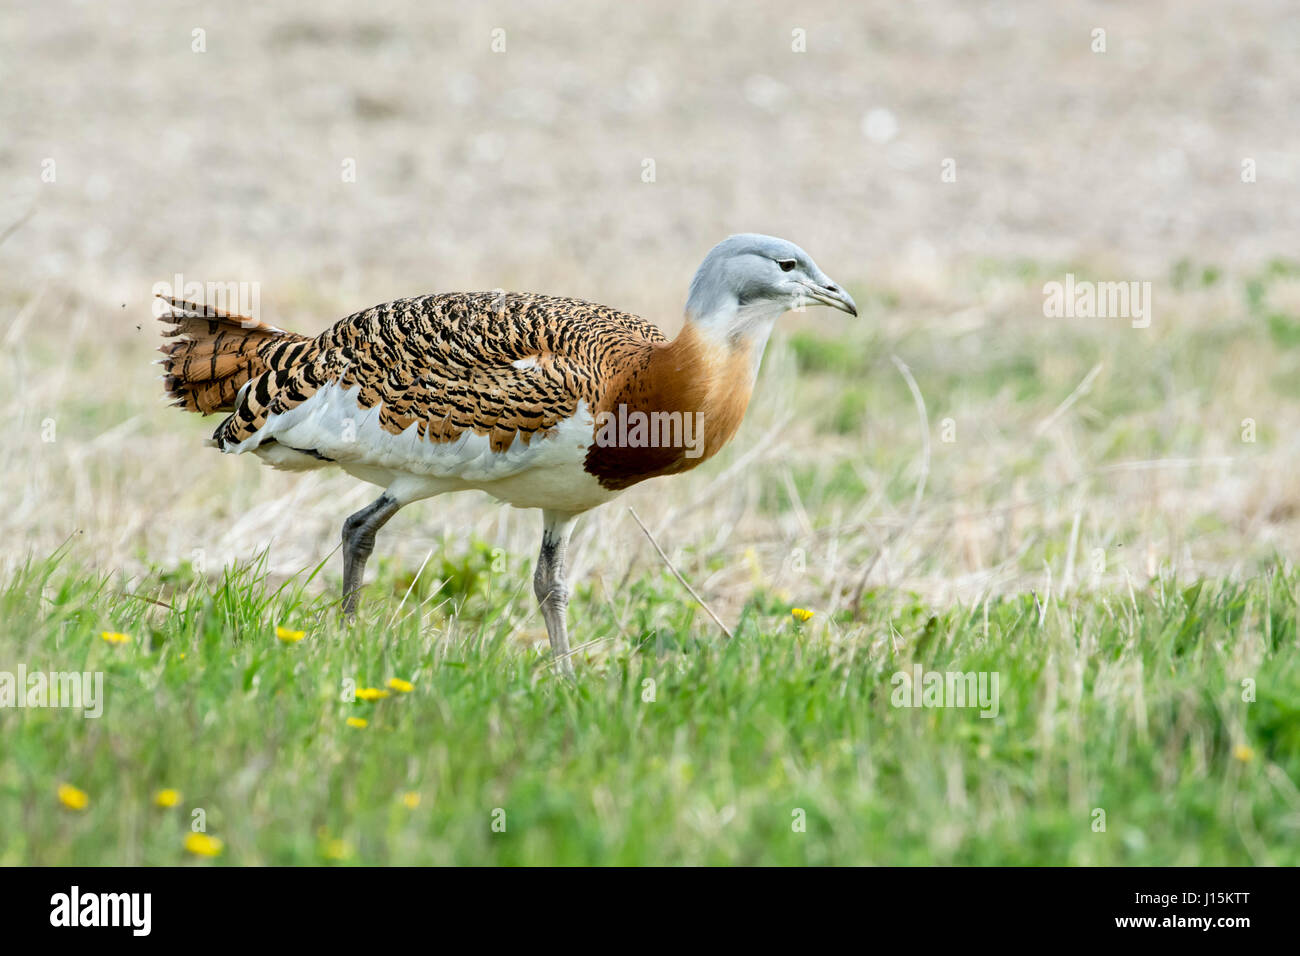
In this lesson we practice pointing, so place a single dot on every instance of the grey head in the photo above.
(760, 276)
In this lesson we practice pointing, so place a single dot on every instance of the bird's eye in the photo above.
(786, 264)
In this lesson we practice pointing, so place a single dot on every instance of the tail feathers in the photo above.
(196, 314)
(214, 355)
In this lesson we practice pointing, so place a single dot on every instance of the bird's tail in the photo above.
(214, 355)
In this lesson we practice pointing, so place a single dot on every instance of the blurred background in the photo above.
(340, 155)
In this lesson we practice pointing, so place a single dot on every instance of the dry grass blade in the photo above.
(906, 526)
(677, 574)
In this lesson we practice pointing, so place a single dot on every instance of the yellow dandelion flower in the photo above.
(1243, 753)
(115, 637)
(358, 722)
(200, 844)
(410, 799)
(401, 686)
(72, 798)
(288, 636)
(336, 850)
(166, 797)
(801, 615)
(370, 693)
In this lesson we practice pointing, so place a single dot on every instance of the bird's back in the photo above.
(507, 366)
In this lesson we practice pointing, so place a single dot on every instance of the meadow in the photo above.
(781, 747)
(1148, 681)
(1101, 514)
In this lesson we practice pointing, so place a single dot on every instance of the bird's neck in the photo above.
(726, 329)
(701, 380)
(710, 369)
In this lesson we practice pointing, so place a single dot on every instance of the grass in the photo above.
(1110, 553)
(673, 746)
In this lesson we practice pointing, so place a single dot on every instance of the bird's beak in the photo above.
(834, 296)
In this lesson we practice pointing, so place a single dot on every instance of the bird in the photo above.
(544, 402)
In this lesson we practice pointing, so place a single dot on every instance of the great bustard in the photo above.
(542, 402)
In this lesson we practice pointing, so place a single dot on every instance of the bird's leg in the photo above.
(358, 541)
(549, 583)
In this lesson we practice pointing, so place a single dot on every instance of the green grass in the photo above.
(1124, 696)
(1125, 702)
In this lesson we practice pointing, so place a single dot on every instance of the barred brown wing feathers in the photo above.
(497, 364)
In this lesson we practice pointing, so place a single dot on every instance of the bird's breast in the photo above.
(671, 413)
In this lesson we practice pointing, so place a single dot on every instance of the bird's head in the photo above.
(750, 278)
